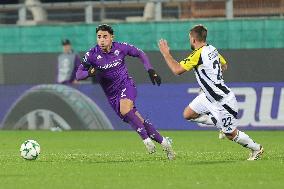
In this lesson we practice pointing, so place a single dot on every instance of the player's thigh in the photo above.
(227, 122)
(127, 98)
(228, 113)
(224, 119)
(129, 91)
(198, 106)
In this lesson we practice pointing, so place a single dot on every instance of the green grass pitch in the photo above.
(118, 159)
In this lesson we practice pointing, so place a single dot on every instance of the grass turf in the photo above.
(118, 159)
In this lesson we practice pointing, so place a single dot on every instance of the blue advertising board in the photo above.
(261, 105)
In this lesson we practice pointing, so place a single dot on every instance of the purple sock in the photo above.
(152, 132)
(136, 124)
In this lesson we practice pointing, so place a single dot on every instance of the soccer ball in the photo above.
(30, 150)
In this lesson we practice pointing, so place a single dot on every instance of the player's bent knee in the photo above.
(189, 114)
(186, 116)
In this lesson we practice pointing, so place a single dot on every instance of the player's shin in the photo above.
(244, 140)
(136, 124)
(152, 132)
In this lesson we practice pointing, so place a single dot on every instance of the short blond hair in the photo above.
(199, 32)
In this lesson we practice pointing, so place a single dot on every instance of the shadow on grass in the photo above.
(213, 162)
(106, 161)
(142, 160)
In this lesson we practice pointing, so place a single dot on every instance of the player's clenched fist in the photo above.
(155, 78)
(91, 71)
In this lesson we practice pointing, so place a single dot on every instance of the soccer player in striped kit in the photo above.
(217, 104)
(106, 62)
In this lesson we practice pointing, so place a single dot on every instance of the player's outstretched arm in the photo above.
(154, 77)
(175, 67)
(135, 52)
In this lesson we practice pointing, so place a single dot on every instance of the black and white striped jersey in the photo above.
(206, 62)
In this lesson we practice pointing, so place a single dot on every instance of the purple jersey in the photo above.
(111, 71)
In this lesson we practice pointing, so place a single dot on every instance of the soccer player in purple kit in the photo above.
(106, 62)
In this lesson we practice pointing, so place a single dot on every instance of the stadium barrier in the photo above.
(224, 34)
(246, 65)
(261, 106)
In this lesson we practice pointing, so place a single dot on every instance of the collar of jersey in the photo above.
(202, 46)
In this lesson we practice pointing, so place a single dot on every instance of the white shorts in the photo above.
(224, 113)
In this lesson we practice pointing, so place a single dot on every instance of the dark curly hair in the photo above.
(104, 27)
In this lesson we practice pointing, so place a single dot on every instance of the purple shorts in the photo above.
(129, 91)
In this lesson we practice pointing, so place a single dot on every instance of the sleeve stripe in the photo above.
(192, 60)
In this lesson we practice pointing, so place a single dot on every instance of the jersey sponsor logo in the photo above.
(213, 54)
(111, 65)
(116, 52)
